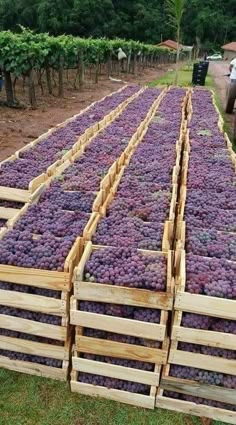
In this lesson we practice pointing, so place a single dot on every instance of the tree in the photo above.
(175, 12)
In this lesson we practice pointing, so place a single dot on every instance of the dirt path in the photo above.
(218, 70)
(19, 127)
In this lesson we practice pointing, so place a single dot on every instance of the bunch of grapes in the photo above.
(45, 217)
(203, 376)
(211, 243)
(116, 230)
(68, 201)
(210, 276)
(46, 252)
(124, 339)
(225, 198)
(209, 351)
(127, 267)
(15, 355)
(129, 312)
(11, 204)
(33, 290)
(198, 400)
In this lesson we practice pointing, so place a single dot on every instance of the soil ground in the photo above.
(20, 126)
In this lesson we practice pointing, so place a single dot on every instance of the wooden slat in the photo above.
(202, 304)
(120, 295)
(7, 213)
(118, 325)
(196, 409)
(58, 281)
(33, 328)
(34, 368)
(211, 363)
(202, 337)
(114, 371)
(196, 389)
(11, 194)
(33, 348)
(139, 400)
(37, 303)
(121, 350)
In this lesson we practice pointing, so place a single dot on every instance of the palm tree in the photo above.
(175, 12)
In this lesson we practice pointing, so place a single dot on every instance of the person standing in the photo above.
(232, 69)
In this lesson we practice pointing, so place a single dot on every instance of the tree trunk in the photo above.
(96, 72)
(32, 97)
(81, 69)
(177, 58)
(49, 80)
(8, 88)
(61, 79)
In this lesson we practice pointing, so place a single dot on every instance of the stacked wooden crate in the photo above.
(200, 376)
(101, 360)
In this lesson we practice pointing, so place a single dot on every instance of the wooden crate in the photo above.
(87, 291)
(57, 281)
(207, 306)
(118, 372)
(195, 389)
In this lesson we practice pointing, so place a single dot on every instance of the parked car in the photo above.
(215, 57)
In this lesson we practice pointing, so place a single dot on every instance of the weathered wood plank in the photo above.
(196, 389)
(120, 295)
(114, 371)
(139, 400)
(202, 304)
(119, 325)
(58, 281)
(104, 347)
(211, 363)
(33, 348)
(204, 337)
(12, 323)
(196, 409)
(37, 303)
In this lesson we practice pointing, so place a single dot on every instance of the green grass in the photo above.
(28, 400)
(184, 78)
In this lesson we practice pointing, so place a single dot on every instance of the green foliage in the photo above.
(20, 53)
(211, 21)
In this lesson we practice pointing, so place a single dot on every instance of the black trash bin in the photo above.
(199, 74)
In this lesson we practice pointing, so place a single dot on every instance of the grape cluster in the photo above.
(31, 315)
(130, 231)
(197, 321)
(45, 217)
(50, 293)
(210, 276)
(211, 243)
(209, 351)
(68, 201)
(23, 250)
(11, 204)
(124, 339)
(15, 355)
(198, 400)
(136, 313)
(126, 267)
(38, 158)
(203, 376)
